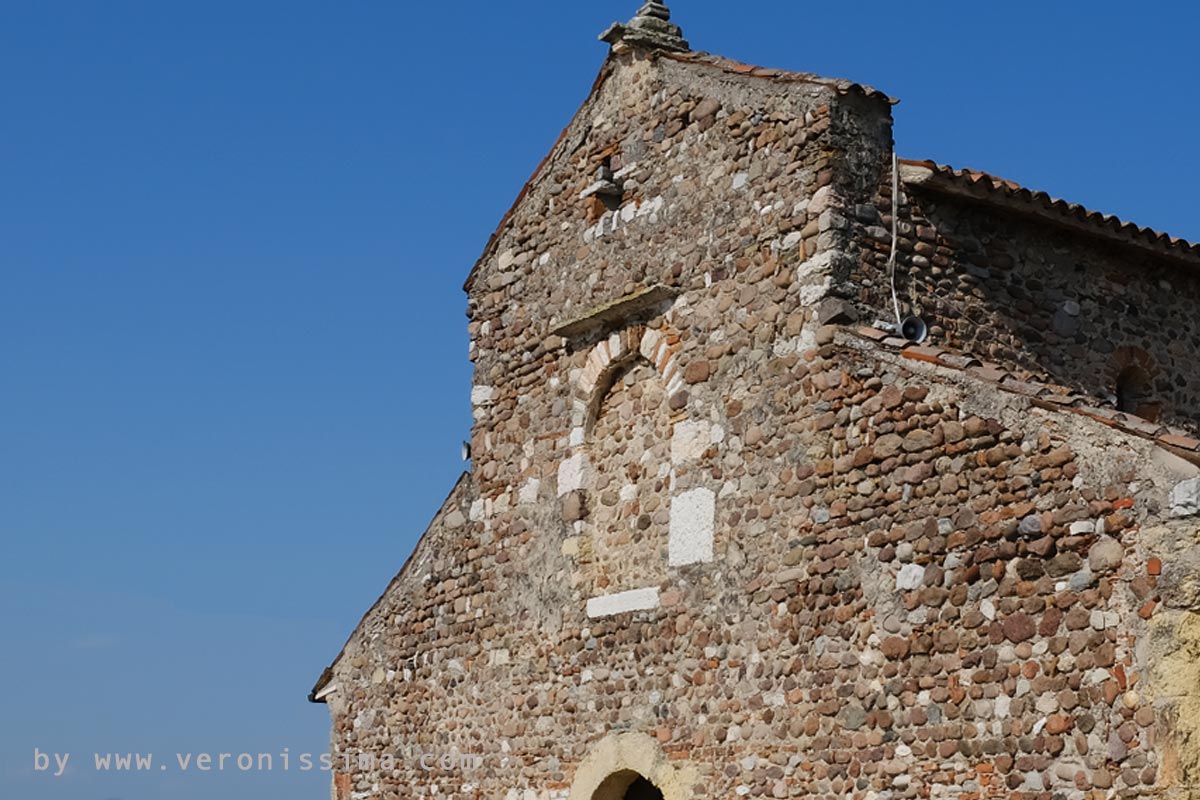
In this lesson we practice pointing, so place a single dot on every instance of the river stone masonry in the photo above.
(723, 536)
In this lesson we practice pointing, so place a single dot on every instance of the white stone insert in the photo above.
(571, 474)
(689, 441)
(693, 515)
(632, 600)
(482, 395)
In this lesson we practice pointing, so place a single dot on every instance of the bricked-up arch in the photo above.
(630, 498)
(631, 428)
(629, 396)
(607, 359)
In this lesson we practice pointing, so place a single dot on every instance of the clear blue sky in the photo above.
(233, 368)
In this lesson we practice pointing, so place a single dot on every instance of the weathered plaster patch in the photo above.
(821, 263)
(482, 395)
(529, 491)
(1176, 640)
(692, 523)
(1185, 498)
(689, 441)
(571, 473)
(911, 576)
(807, 340)
(810, 294)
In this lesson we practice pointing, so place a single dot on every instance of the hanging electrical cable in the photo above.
(895, 229)
(911, 327)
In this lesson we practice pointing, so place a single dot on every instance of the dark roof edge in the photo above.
(327, 675)
(990, 190)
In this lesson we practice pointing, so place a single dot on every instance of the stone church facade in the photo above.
(727, 534)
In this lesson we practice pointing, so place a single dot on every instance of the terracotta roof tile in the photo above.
(930, 354)
(874, 334)
(960, 361)
(1027, 388)
(1062, 398)
(1100, 414)
(1180, 441)
(988, 372)
(1143, 426)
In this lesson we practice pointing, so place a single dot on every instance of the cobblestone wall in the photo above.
(1076, 309)
(912, 589)
(786, 562)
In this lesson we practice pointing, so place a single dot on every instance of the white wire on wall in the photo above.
(895, 229)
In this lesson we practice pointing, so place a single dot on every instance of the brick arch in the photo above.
(1131, 376)
(1130, 357)
(658, 348)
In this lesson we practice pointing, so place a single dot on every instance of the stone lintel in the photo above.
(633, 600)
(615, 311)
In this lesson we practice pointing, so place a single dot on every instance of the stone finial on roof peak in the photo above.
(652, 28)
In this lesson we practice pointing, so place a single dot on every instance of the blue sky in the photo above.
(233, 367)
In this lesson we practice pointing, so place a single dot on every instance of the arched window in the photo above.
(1134, 394)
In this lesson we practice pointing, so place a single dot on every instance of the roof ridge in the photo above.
(736, 67)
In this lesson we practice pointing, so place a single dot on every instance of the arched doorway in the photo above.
(642, 789)
(627, 785)
(632, 766)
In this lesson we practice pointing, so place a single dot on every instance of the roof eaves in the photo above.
(989, 189)
(1044, 395)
